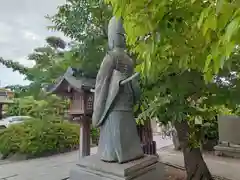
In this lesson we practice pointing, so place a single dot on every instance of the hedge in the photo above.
(35, 138)
(95, 134)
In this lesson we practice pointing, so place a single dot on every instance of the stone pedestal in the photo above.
(228, 150)
(92, 168)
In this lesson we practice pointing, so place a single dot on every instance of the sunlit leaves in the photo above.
(208, 20)
(210, 23)
(232, 29)
(197, 41)
(28, 106)
(219, 6)
(203, 16)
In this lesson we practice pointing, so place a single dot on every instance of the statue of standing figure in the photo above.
(116, 92)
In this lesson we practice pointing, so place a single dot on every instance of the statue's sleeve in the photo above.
(101, 88)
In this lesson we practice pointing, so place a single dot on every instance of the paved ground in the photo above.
(219, 166)
(51, 168)
(58, 167)
(162, 142)
(3, 162)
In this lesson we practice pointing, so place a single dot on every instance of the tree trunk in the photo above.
(195, 165)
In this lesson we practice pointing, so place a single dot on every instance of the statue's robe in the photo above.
(113, 112)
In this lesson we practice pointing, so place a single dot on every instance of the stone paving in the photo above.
(4, 162)
(51, 168)
(228, 168)
(58, 167)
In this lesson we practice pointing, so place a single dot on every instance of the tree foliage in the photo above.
(49, 63)
(27, 106)
(86, 23)
(189, 52)
(181, 47)
(200, 35)
(82, 19)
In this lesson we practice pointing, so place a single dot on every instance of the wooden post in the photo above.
(84, 146)
(146, 137)
(1, 111)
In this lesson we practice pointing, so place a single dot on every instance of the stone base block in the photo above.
(229, 151)
(92, 168)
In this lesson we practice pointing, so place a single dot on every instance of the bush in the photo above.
(28, 106)
(95, 134)
(36, 138)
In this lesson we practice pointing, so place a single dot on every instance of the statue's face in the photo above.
(116, 34)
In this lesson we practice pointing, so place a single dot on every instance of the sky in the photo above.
(23, 27)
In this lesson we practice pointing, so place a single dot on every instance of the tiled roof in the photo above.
(5, 100)
(78, 83)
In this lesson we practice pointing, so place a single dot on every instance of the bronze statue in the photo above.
(116, 91)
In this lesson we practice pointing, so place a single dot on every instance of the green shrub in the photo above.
(36, 138)
(95, 133)
(29, 106)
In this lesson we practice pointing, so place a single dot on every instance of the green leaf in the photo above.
(208, 76)
(193, 1)
(219, 5)
(203, 15)
(222, 61)
(210, 23)
(236, 13)
(225, 16)
(207, 63)
(232, 28)
(229, 48)
(217, 65)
